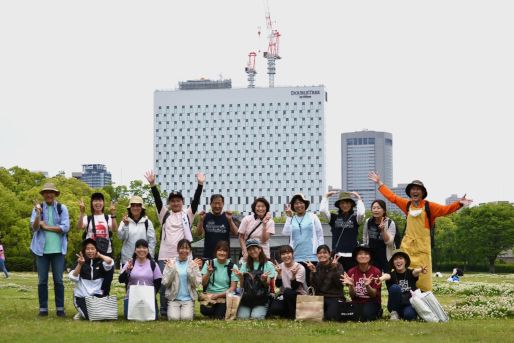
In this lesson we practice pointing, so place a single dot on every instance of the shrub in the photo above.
(20, 264)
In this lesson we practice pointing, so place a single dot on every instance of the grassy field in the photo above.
(20, 323)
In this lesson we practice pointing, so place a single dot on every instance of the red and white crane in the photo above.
(273, 44)
(250, 69)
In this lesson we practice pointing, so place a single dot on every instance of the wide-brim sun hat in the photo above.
(301, 197)
(344, 196)
(136, 199)
(416, 183)
(49, 187)
(362, 247)
(402, 253)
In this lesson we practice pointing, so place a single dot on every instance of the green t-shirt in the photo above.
(218, 282)
(52, 239)
(268, 268)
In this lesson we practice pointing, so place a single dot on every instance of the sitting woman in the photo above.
(92, 267)
(218, 279)
(364, 284)
(326, 281)
(291, 280)
(141, 269)
(181, 277)
(255, 277)
(400, 282)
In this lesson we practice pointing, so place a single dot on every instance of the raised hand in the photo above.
(150, 177)
(202, 215)
(200, 178)
(288, 210)
(277, 268)
(368, 280)
(381, 226)
(373, 176)
(229, 215)
(464, 201)
(264, 277)
(330, 193)
(112, 208)
(424, 269)
(347, 280)
(130, 265)
(80, 258)
(237, 273)
(37, 207)
(295, 269)
(197, 262)
(266, 218)
(82, 207)
(311, 267)
(210, 267)
(335, 260)
(170, 263)
(98, 255)
(356, 195)
(125, 219)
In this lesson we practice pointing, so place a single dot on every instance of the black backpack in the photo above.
(255, 291)
(399, 236)
(59, 211)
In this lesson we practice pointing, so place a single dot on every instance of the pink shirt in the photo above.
(249, 223)
(287, 276)
(2, 256)
(173, 232)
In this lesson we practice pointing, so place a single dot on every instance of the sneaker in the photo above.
(43, 313)
(77, 317)
(394, 316)
(61, 313)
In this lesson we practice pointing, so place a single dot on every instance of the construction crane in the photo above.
(250, 69)
(272, 54)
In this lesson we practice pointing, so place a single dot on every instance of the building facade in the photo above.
(362, 152)
(249, 142)
(95, 175)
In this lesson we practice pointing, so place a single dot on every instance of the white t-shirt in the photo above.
(102, 228)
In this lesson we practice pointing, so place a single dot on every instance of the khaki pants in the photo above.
(181, 310)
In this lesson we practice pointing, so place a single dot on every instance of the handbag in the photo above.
(141, 303)
(232, 301)
(309, 307)
(427, 307)
(105, 308)
(347, 311)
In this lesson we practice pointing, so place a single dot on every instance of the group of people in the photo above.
(269, 288)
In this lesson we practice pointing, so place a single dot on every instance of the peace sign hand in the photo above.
(311, 267)
(381, 226)
(81, 260)
(130, 265)
(82, 207)
(277, 268)
(170, 263)
(125, 219)
(197, 262)
(150, 177)
(465, 202)
(210, 267)
(424, 269)
(288, 210)
(266, 218)
(335, 259)
(112, 208)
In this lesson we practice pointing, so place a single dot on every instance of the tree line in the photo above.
(474, 236)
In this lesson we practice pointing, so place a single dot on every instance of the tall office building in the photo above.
(249, 142)
(362, 152)
(95, 175)
(451, 199)
(400, 191)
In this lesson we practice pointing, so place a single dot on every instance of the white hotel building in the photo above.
(249, 142)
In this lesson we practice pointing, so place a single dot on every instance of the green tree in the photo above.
(484, 231)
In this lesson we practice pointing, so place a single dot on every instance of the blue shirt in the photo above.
(302, 233)
(37, 245)
(183, 290)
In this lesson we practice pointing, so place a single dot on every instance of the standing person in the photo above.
(181, 278)
(304, 230)
(217, 226)
(218, 279)
(134, 227)
(378, 233)
(99, 226)
(326, 281)
(176, 225)
(141, 269)
(255, 277)
(89, 273)
(50, 223)
(291, 280)
(364, 285)
(421, 216)
(344, 225)
(259, 226)
(400, 282)
(2, 261)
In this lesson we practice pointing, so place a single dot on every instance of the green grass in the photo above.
(20, 323)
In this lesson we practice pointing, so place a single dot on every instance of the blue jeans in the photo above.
(43, 266)
(395, 303)
(257, 312)
(2, 268)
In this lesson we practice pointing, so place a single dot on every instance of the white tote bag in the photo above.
(427, 307)
(141, 304)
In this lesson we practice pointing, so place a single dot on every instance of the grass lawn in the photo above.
(20, 323)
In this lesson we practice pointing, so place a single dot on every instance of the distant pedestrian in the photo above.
(2, 261)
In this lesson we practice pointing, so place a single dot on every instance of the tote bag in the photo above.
(427, 307)
(232, 301)
(141, 304)
(309, 307)
(105, 308)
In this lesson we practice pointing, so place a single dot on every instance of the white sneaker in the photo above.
(394, 316)
(77, 317)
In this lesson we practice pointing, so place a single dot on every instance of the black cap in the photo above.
(97, 196)
(88, 241)
(175, 194)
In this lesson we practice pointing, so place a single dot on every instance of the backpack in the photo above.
(255, 291)
(399, 236)
(102, 244)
